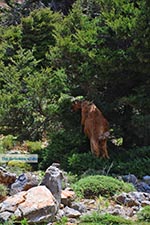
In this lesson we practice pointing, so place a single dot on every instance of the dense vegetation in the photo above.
(97, 49)
(92, 186)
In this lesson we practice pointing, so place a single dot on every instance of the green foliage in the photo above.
(138, 162)
(106, 219)
(12, 13)
(71, 178)
(13, 221)
(63, 221)
(34, 146)
(62, 144)
(29, 98)
(18, 167)
(85, 163)
(40, 24)
(92, 186)
(7, 142)
(144, 214)
(3, 190)
(81, 162)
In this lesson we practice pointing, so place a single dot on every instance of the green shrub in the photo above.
(34, 146)
(107, 219)
(144, 214)
(92, 186)
(132, 161)
(80, 163)
(62, 145)
(18, 167)
(8, 141)
(137, 166)
(3, 190)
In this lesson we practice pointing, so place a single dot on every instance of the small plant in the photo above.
(102, 203)
(92, 186)
(24, 221)
(63, 221)
(144, 214)
(3, 190)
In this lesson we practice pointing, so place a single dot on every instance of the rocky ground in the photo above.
(44, 200)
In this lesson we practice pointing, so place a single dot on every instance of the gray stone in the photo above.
(23, 183)
(71, 213)
(53, 181)
(143, 187)
(79, 206)
(4, 216)
(146, 179)
(130, 178)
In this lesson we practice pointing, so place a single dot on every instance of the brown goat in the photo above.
(95, 125)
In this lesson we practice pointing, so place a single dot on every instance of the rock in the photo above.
(121, 211)
(133, 199)
(11, 203)
(121, 199)
(144, 203)
(67, 196)
(4, 216)
(37, 205)
(53, 181)
(71, 213)
(143, 187)
(6, 178)
(23, 183)
(131, 202)
(146, 179)
(131, 178)
(79, 206)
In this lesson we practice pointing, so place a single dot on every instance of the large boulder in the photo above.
(53, 181)
(37, 205)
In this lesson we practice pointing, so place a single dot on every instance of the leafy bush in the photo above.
(92, 186)
(107, 219)
(144, 214)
